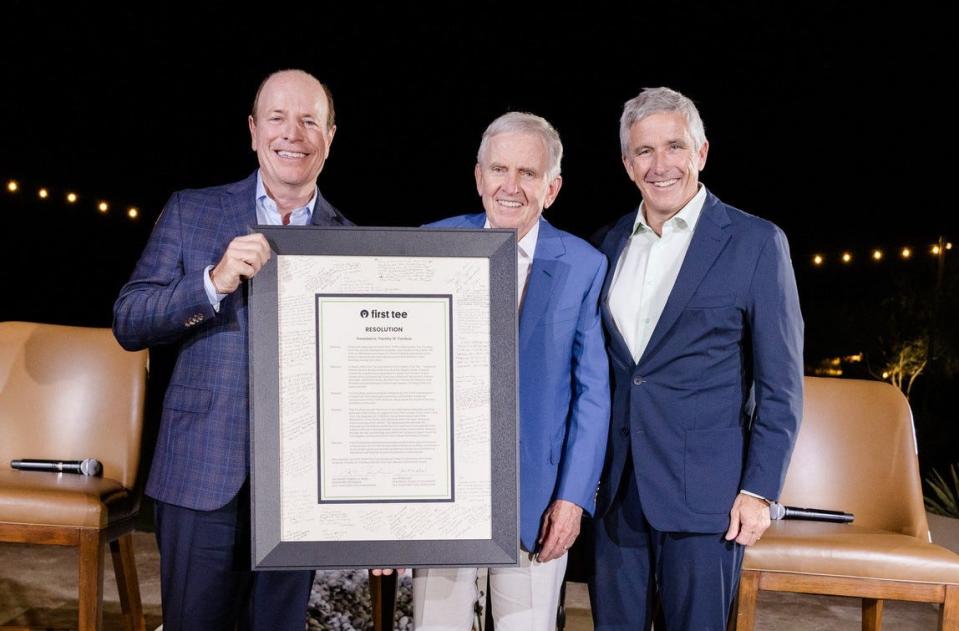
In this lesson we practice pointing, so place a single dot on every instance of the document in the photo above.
(384, 411)
(384, 397)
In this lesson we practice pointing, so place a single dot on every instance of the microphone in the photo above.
(90, 466)
(778, 511)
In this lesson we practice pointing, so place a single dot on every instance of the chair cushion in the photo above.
(63, 499)
(847, 550)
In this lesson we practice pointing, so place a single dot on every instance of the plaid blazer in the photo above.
(202, 452)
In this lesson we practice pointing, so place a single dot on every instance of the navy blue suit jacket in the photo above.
(563, 375)
(714, 403)
(202, 453)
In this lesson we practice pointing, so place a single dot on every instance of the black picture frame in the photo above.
(268, 550)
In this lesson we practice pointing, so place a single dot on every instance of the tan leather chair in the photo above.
(70, 393)
(856, 452)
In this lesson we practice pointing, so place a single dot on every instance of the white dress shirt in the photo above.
(646, 272)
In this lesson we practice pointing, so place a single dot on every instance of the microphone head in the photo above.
(91, 466)
(776, 510)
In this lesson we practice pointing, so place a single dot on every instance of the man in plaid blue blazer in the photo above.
(189, 289)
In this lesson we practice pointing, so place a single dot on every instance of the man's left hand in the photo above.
(559, 531)
(748, 519)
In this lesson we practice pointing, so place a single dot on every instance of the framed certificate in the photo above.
(383, 399)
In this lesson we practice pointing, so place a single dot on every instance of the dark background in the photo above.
(832, 121)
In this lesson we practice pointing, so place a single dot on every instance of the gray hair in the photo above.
(654, 100)
(526, 123)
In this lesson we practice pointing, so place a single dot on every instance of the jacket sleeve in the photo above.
(776, 328)
(588, 427)
(162, 301)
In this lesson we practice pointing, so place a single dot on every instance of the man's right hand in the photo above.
(244, 257)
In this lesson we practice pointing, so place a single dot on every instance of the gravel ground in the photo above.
(340, 601)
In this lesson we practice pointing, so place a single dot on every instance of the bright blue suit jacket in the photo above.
(563, 375)
(202, 452)
(714, 403)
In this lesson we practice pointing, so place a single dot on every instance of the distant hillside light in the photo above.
(877, 255)
(817, 260)
(12, 186)
(133, 213)
(906, 253)
(43, 193)
(103, 207)
(72, 198)
(846, 257)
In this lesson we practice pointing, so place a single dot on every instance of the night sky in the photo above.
(829, 119)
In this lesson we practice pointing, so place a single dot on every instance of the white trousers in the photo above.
(524, 598)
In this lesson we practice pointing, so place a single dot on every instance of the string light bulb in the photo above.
(12, 186)
(817, 260)
(133, 213)
(877, 255)
(846, 257)
(71, 198)
(43, 193)
(906, 253)
(103, 207)
(935, 250)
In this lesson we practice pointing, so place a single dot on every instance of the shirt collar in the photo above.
(264, 201)
(685, 219)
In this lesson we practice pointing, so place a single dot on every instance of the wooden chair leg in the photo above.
(383, 597)
(733, 613)
(872, 614)
(91, 580)
(949, 610)
(124, 566)
(745, 619)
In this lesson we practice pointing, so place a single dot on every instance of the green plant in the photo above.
(943, 498)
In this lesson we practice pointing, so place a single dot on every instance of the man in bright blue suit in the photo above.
(189, 289)
(705, 340)
(563, 389)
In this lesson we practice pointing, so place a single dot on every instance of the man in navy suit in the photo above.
(189, 289)
(563, 389)
(705, 340)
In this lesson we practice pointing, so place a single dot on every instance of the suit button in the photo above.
(638, 381)
(625, 430)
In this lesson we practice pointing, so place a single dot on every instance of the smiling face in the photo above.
(512, 177)
(663, 163)
(290, 135)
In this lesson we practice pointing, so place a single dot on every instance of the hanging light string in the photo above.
(71, 198)
(877, 255)
(818, 259)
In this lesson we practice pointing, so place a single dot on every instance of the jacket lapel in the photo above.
(477, 220)
(542, 276)
(325, 214)
(618, 237)
(239, 208)
(709, 239)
